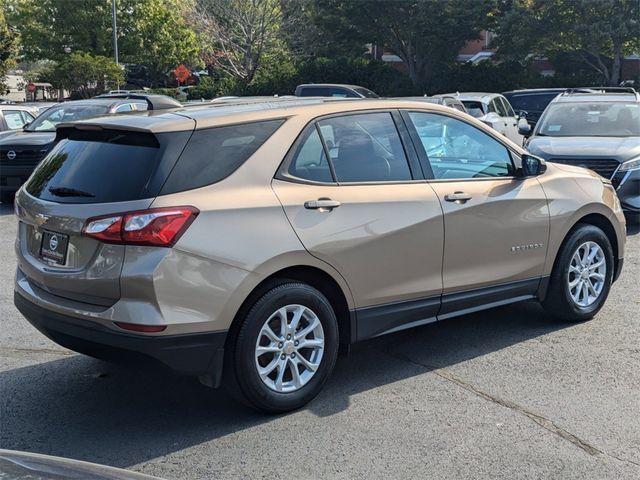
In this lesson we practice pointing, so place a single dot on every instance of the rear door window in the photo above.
(213, 154)
(365, 148)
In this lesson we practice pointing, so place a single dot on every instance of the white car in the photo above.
(494, 110)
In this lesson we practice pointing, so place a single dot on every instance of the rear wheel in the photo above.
(285, 348)
(581, 278)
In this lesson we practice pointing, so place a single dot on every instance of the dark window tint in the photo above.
(532, 103)
(310, 161)
(314, 92)
(213, 154)
(365, 92)
(365, 148)
(458, 150)
(96, 167)
(474, 108)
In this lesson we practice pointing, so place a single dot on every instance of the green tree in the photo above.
(597, 32)
(239, 34)
(426, 34)
(8, 48)
(151, 32)
(85, 74)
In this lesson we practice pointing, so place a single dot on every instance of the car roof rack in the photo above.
(629, 90)
(154, 101)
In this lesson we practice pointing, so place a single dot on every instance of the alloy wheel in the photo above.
(587, 274)
(289, 348)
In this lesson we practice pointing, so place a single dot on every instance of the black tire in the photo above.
(243, 379)
(558, 301)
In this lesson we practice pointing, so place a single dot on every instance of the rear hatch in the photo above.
(92, 171)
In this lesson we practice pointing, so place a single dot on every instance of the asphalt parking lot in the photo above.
(507, 393)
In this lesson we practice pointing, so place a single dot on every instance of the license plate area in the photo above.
(54, 247)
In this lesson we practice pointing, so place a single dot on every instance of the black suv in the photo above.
(533, 101)
(599, 130)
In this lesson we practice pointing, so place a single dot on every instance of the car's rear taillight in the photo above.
(159, 227)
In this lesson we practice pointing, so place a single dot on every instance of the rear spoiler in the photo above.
(154, 102)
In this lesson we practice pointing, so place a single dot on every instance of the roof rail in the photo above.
(154, 101)
(629, 90)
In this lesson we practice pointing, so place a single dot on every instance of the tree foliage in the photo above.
(152, 32)
(597, 32)
(426, 34)
(8, 47)
(86, 75)
(238, 34)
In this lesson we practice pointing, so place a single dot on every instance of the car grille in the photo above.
(21, 157)
(602, 166)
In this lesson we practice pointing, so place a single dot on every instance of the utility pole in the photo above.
(115, 30)
(115, 34)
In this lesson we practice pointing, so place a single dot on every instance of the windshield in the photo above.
(49, 119)
(598, 119)
(366, 93)
(473, 108)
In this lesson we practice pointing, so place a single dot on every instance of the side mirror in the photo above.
(26, 125)
(532, 166)
(524, 129)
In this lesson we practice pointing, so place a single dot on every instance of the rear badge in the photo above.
(529, 246)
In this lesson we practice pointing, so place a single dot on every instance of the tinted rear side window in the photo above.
(213, 154)
(105, 166)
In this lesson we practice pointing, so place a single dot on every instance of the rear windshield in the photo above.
(105, 166)
(48, 120)
(473, 108)
(532, 103)
(597, 119)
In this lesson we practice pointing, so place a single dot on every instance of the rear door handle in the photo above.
(322, 204)
(458, 197)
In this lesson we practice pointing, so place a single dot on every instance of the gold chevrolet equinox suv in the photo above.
(244, 241)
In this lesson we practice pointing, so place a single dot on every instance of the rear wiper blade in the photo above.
(69, 192)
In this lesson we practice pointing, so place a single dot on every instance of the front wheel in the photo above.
(285, 349)
(581, 277)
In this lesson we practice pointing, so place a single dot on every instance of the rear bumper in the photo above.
(198, 354)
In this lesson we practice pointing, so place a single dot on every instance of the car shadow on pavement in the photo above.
(83, 408)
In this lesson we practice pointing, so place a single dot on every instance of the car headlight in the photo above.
(633, 164)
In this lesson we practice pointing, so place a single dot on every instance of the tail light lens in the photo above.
(158, 227)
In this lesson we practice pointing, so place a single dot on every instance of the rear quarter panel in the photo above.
(240, 237)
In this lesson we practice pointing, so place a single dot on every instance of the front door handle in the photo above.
(322, 204)
(458, 197)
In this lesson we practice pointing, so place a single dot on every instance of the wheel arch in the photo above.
(313, 276)
(597, 220)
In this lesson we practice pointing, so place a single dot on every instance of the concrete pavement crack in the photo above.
(538, 419)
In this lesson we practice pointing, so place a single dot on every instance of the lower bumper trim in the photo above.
(199, 354)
